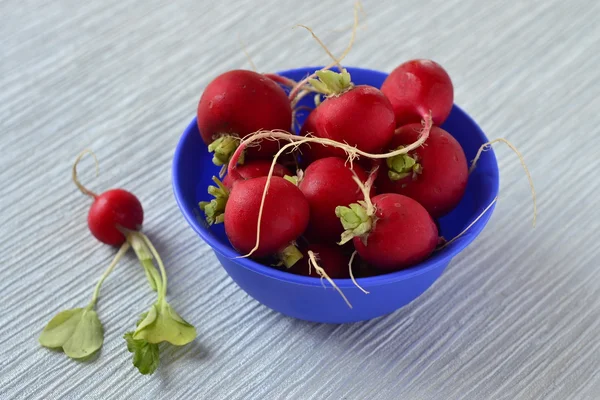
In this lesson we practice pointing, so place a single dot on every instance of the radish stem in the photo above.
(110, 269)
(161, 266)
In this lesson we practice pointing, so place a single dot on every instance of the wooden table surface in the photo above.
(515, 316)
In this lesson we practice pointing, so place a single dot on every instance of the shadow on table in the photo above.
(173, 355)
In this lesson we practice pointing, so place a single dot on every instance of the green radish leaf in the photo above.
(78, 332)
(87, 338)
(145, 355)
(60, 328)
(142, 317)
(163, 324)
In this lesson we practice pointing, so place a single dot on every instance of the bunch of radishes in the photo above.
(370, 170)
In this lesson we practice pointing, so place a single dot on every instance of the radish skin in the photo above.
(237, 103)
(398, 233)
(284, 219)
(254, 169)
(326, 184)
(361, 116)
(417, 87)
(112, 211)
(435, 175)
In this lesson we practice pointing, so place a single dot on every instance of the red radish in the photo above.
(115, 218)
(112, 210)
(360, 116)
(417, 87)
(435, 174)
(238, 103)
(326, 184)
(254, 169)
(284, 218)
(330, 257)
(390, 231)
(215, 208)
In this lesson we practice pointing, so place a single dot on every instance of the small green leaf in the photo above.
(355, 220)
(223, 148)
(60, 328)
(87, 338)
(319, 86)
(402, 165)
(145, 355)
(142, 317)
(163, 324)
(149, 318)
(214, 209)
(78, 332)
(292, 179)
(290, 256)
(331, 83)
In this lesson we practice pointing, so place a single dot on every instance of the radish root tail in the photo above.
(449, 242)
(243, 46)
(337, 61)
(79, 185)
(352, 274)
(313, 260)
(487, 146)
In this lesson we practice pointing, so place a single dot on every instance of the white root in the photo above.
(303, 84)
(352, 274)
(313, 260)
(243, 46)
(448, 243)
(485, 147)
(488, 146)
(335, 60)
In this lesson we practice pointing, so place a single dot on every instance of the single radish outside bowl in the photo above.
(304, 297)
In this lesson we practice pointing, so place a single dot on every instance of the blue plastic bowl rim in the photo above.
(388, 277)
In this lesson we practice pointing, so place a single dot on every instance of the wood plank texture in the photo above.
(516, 316)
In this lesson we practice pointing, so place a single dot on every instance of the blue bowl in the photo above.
(305, 297)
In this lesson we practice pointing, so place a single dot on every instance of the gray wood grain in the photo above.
(516, 316)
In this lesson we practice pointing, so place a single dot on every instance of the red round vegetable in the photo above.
(398, 234)
(115, 218)
(329, 257)
(284, 218)
(238, 103)
(416, 87)
(360, 116)
(111, 210)
(214, 209)
(326, 184)
(254, 169)
(435, 174)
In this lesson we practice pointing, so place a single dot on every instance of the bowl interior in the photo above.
(193, 170)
